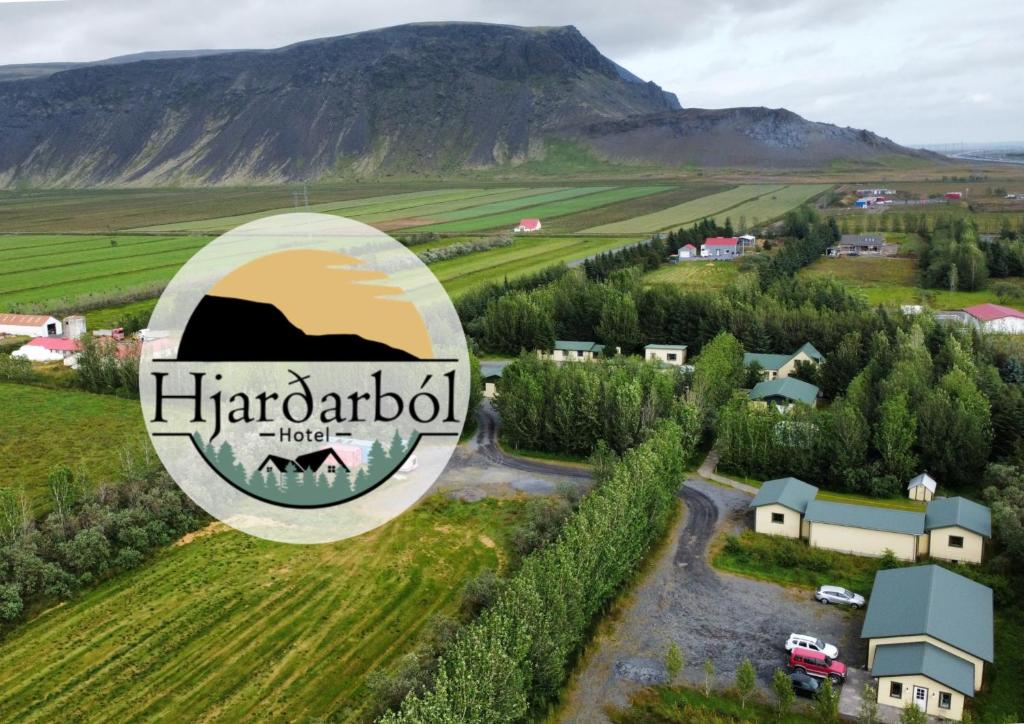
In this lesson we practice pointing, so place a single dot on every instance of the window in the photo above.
(956, 541)
(945, 700)
(579, 353)
(896, 690)
(671, 356)
(778, 518)
(331, 468)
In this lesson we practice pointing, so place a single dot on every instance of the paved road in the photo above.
(708, 614)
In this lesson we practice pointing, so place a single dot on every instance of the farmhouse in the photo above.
(673, 354)
(47, 349)
(784, 392)
(687, 251)
(30, 325)
(719, 247)
(571, 351)
(996, 318)
(782, 365)
(779, 507)
(526, 226)
(862, 245)
(865, 530)
(930, 633)
(921, 487)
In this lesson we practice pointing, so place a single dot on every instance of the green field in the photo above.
(771, 206)
(702, 274)
(228, 626)
(543, 207)
(41, 428)
(894, 281)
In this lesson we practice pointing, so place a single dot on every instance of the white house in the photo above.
(47, 349)
(573, 351)
(687, 251)
(30, 325)
(526, 226)
(673, 354)
(719, 247)
(997, 318)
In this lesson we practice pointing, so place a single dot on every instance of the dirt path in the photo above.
(709, 615)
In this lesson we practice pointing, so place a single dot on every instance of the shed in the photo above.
(864, 530)
(997, 318)
(527, 225)
(779, 506)
(673, 354)
(575, 351)
(921, 487)
(30, 325)
(957, 529)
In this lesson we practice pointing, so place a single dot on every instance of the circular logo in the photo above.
(304, 378)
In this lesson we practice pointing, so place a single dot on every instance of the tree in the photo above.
(619, 325)
(895, 435)
(674, 661)
(256, 480)
(868, 705)
(290, 478)
(746, 681)
(912, 714)
(782, 687)
(709, 676)
(826, 704)
(718, 371)
(1005, 494)
(516, 322)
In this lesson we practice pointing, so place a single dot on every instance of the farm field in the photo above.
(894, 281)
(689, 211)
(229, 626)
(702, 274)
(773, 205)
(629, 208)
(554, 205)
(41, 428)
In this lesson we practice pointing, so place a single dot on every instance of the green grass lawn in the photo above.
(1002, 699)
(229, 626)
(701, 274)
(41, 428)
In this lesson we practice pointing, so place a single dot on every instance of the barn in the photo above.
(47, 349)
(997, 318)
(30, 325)
(527, 225)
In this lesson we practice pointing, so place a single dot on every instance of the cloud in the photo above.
(917, 71)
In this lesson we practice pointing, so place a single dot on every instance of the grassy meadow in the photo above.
(231, 627)
(701, 274)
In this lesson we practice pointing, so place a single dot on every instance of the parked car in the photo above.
(815, 663)
(803, 641)
(804, 684)
(837, 594)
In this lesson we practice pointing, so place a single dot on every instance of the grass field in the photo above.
(894, 281)
(231, 627)
(702, 274)
(541, 207)
(41, 428)
(687, 212)
(772, 205)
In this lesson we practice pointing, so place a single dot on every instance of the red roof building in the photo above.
(990, 312)
(55, 344)
(719, 247)
(528, 225)
(721, 241)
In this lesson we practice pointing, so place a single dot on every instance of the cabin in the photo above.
(719, 247)
(687, 251)
(573, 351)
(491, 372)
(921, 487)
(930, 633)
(30, 325)
(526, 226)
(958, 529)
(782, 365)
(671, 354)
(779, 507)
(784, 392)
(862, 245)
(996, 318)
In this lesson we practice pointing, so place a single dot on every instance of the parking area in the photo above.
(709, 615)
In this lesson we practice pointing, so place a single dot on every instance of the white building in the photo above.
(997, 318)
(30, 325)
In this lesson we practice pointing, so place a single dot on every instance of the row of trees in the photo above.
(515, 657)
(101, 368)
(572, 407)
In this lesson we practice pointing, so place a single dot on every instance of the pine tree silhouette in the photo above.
(397, 451)
(257, 479)
(290, 479)
(308, 478)
(271, 480)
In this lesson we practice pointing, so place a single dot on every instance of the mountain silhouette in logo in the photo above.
(225, 329)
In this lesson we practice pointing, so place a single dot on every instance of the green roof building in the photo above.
(784, 392)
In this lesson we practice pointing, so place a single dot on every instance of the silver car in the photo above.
(837, 594)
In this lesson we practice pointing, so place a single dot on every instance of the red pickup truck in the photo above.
(817, 664)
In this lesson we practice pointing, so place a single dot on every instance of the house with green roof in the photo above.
(957, 529)
(779, 507)
(930, 633)
(866, 530)
(782, 365)
(784, 392)
(573, 351)
(670, 354)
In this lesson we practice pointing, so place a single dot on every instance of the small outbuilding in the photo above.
(687, 251)
(30, 325)
(672, 354)
(779, 507)
(574, 351)
(526, 226)
(865, 530)
(957, 529)
(491, 372)
(784, 393)
(921, 487)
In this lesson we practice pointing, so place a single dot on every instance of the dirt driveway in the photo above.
(708, 614)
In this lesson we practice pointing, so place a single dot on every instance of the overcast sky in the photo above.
(918, 71)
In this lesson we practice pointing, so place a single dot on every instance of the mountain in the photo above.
(436, 98)
(224, 329)
(21, 71)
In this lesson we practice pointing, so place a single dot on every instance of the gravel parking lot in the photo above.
(710, 615)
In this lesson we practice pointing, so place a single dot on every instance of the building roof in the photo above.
(55, 344)
(861, 240)
(989, 312)
(25, 320)
(665, 346)
(767, 361)
(789, 492)
(530, 223)
(947, 512)
(573, 346)
(691, 247)
(788, 388)
(924, 479)
(493, 368)
(868, 517)
(928, 660)
(720, 241)
(811, 351)
(930, 600)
